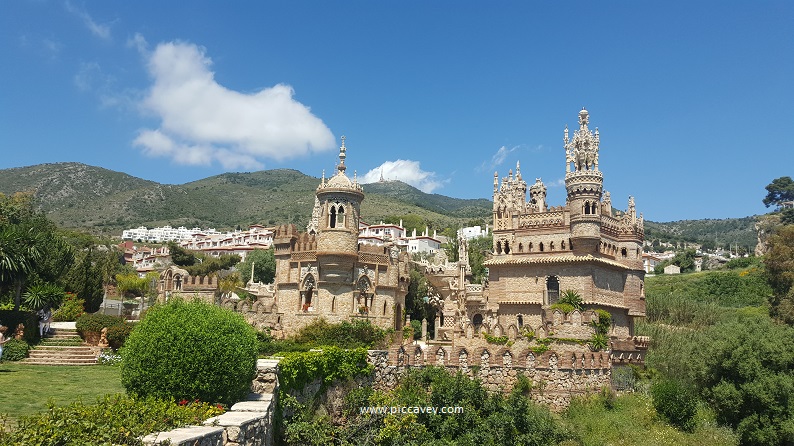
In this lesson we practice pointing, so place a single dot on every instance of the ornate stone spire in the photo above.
(582, 150)
(342, 155)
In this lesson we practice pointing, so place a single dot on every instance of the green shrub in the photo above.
(118, 334)
(15, 350)
(71, 309)
(359, 333)
(572, 298)
(675, 403)
(95, 322)
(599, 342)
(499, 340)
(565, 308)
(604, 322)
(190, 350)
(118, 420)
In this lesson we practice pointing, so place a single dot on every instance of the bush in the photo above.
(359, 333)
(71, 309)
(118, 420)
(95, 322)
(118, 334)
(15, 350)
(675, 403)
(190, 350)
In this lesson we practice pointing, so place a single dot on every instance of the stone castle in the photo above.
(539, 253)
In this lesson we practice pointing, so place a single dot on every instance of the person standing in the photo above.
(3, 339)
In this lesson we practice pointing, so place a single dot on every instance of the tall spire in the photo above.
(342, 155)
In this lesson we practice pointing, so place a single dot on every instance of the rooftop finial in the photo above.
(342, 155)
(584, 118)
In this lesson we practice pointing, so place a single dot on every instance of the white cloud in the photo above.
(232, 128)
(101, 31)
(406, 171)
(497, 159)
(559, 182)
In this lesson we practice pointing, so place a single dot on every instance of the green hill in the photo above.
(102, 201)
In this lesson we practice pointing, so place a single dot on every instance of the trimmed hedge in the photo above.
(190, 350)
(95, 322)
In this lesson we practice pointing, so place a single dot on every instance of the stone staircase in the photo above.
(62, 347)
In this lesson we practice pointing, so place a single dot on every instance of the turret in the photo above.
(339, 200)
(584, 184)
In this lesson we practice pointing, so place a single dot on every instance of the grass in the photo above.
(26, 389)
(632, 420)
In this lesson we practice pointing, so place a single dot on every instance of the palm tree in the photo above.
(39, 296)
(20, 249)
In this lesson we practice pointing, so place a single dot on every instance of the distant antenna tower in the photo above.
(381, 180)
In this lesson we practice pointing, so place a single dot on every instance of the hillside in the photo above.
(707, 232)
(102, 201)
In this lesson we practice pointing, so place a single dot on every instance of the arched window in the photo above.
(477, 322)
(530, 246)
(562, 245)
(520, 247)
(507, 247)
(520, 321)
(332, 217)
(553, 289)
(499, 247)
(623, 253)
(340, 217)
(586, 207)
(551, 246)
(541, 246)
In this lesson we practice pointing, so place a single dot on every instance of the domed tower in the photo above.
(339, 202)
(584, 183)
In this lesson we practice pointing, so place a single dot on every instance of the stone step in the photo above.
(30, 361)
(62, 349)
(61, 352)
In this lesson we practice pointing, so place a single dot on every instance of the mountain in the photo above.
(102, 201)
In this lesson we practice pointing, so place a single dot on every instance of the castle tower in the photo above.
(537, 196)
(339, 201)
(584, 184)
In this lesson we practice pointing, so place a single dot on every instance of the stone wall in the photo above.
(556, 376)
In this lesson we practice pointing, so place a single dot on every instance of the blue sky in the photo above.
(693, 100)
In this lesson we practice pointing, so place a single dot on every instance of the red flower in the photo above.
(183, 402)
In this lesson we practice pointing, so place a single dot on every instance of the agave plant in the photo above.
(571, 298)
(41, 295)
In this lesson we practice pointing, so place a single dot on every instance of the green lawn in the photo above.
(26, 389)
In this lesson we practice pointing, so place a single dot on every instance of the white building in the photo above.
(473, 232)
(382, 233)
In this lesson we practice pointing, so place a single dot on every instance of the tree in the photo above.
(779, 263)
(479, 251)
(20, 249)
(40, 296)
(264, 263)
(779, 191)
